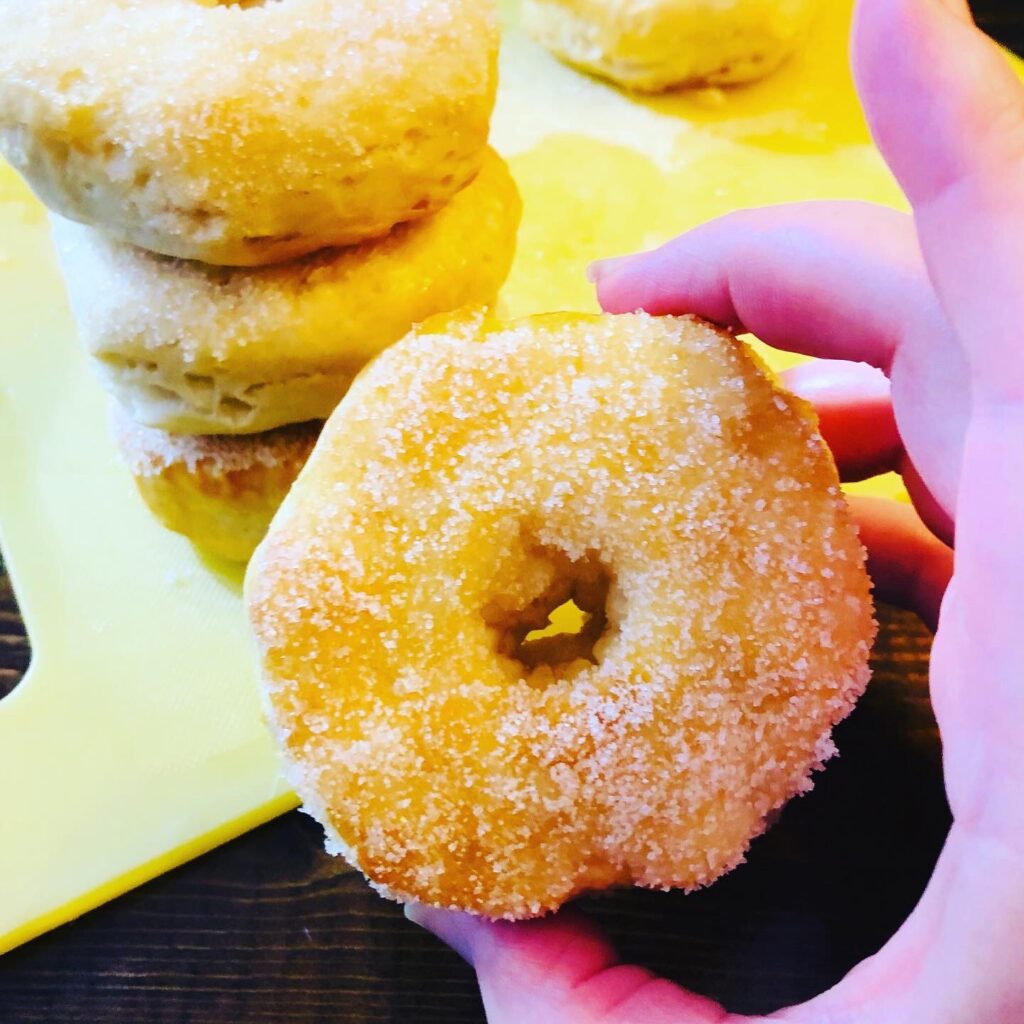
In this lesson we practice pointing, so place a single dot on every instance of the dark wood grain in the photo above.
(1002, 19)
(270, 929)
(14, 650)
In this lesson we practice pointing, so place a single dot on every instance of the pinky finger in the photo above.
(561, 970)
(910, 566)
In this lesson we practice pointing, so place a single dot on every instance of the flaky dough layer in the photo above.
(220, 492)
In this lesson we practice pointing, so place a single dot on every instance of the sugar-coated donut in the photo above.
(475, 476)
(193, 349)
(652, 45)
(220, 492)
(246, 134)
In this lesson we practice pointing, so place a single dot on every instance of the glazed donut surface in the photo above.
(246, 134)
(203, 350)
(653, 45)
(220, 492)
(478, 475)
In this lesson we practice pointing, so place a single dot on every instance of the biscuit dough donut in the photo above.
(188, 348)
(653, 45)
(220, 492)
(246, 134)
(477, 475)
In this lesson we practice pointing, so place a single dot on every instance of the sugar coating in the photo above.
(195, 349)
(220, 492)
(246, 134)
(148, 452)
(467, 470)
(653, 45)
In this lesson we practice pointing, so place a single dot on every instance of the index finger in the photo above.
(841, 280)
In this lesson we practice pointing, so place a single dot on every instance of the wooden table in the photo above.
(268, 928)
(1003, 19)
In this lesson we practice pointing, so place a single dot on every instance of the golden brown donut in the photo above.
(246, 134)
(203, 350)
(652, 45)
(477, 475)
(220, 492)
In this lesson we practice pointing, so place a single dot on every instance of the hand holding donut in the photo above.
(936, 303)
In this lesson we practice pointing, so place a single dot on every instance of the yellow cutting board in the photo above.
(135, 742)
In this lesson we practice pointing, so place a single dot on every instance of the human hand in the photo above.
(936, 302)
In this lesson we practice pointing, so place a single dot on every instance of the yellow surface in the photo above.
(135, 742)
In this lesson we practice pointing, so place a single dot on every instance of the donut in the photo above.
(220, 492)
(653, 45)
(246, 134)
(189, 348)
(479, 477)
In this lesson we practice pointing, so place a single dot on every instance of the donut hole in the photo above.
(551, 626)
(568, 636)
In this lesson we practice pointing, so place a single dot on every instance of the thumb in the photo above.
(947, 111)
(560, 970)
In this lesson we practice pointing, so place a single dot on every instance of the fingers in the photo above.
(855, 416)
(838, 280)
(909, 565)
(948, 114)
(957, 119)
(856, 419)
(560, 969)
(932, 512)
(955, 140)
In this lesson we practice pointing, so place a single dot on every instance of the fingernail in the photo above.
(600, 269)
(416, 913)
(447, 925)
(825, 377)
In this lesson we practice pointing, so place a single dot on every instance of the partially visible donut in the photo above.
(246, 134)
(220, 492)
(653, 45)
(477, 475)
(193, 349)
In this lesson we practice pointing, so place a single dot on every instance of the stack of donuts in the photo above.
(250, 201)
